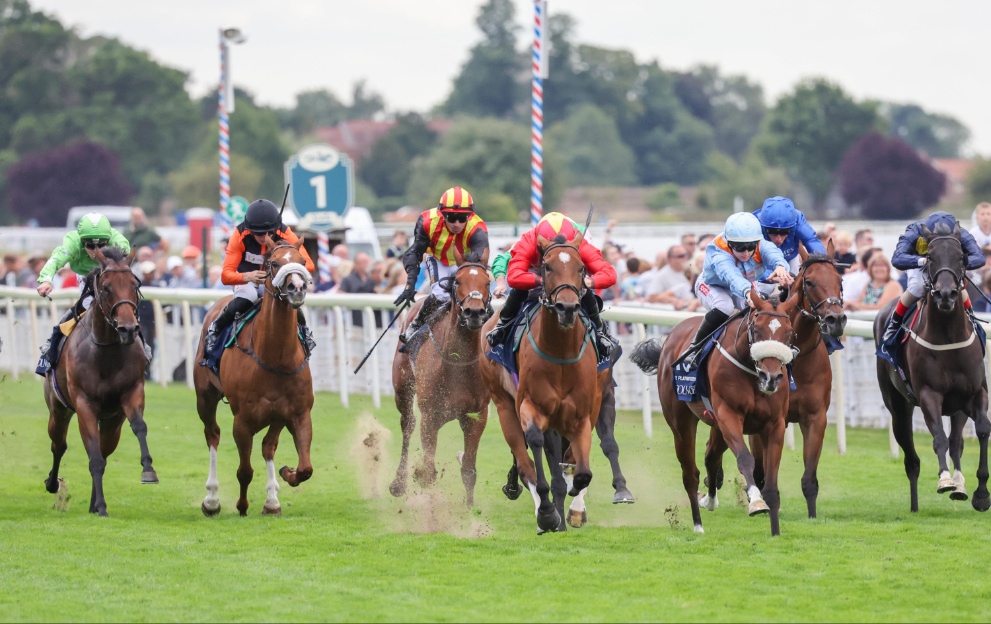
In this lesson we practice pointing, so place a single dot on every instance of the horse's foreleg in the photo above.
(89, 429)
(559, 485)
(548, 519)
(135, 408)
(684, 427)
(269, 445)
(715, 446)
(774, 441)
(813, 431)
(58, 428)
(206, 407)
(244, 440)
(932, 408)
(513, 433)
(957, 422)
(757, 450)
(472, 427)
(301, 430)
(407, 421)
(731, 424)
(430, 421)
(605, 427)
(982, 500)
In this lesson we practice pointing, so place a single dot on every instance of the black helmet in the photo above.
(262, 216)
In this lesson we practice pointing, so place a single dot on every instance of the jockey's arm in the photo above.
(479, 243)
(235, 252)
(523, 256)
(975, 257)
(414, 255)
(809, 237)
(905, 256)
(119, 240)
(600, 272)
(60, 257)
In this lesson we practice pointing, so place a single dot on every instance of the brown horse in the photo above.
(441, 378)
(945, 368)
(754, 346)
(100, 374)
(559, 388)
(819, 312)
(267, 380)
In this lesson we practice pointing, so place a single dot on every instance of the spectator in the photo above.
(863, 240)
(395, 279)
(360, 281)
(27, 277)
(143, 254)
(704, 241)
(179, 275)
(12, 265)
(627, 286)
(670, 284)
(146, 311)
(341, 251)
(377, 273)
(828, 231)
(881, 286)
(330, 284)
(980, 226)
(843, 241)
(398, 246)
(689, 242)
(213, 277)
(140, 234)
(66, 278)
(191, 266)
(854, 282)
(612, 255)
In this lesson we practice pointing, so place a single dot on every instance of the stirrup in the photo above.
(497, 334)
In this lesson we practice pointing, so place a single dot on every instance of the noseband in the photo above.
(279, 291)
(109, 314)
(473, 295)
(549, 299)
(813, 311)
(931, 277)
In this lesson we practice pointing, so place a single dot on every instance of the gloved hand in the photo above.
(408, 294)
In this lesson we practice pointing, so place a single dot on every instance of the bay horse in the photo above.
(266, 378)
(755, 346)
(944, 365)
(559, 387)
(819, 312)
(442, 378)
(100, 374)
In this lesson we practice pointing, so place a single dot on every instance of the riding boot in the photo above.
(514, 301)
(49, 350)
(309, 344)
(603, 340)
(894, 322)
(430, 305)
(712, 321)
(235, 307)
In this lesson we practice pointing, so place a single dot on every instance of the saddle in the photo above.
(506, 352)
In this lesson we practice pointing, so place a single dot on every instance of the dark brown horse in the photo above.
(559, 388)
(444, 379)
(100, 373)
(819, 312)
(754, 347)
(266, 378)
(944, 364)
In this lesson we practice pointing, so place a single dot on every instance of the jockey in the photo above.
(447, 234)
(261, 229)
(525, 255)
(785, 226)
(910, 256)
(733, 262)
(78, 250)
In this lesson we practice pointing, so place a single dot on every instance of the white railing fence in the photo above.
(345, 328)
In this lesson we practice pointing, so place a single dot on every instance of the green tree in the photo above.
(387, 168)
(196, 183)
(938, 136)
(490, 158)
(979, 180)
(490, 83)
(313, 109)
(753, 181)
(732, 105)
(592, 149)
(808, 131)
(364, 103)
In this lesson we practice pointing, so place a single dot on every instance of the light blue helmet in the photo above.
(742, 227)
(778, 213)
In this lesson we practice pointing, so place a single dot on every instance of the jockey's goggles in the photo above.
(778, 231)
(456, 217)
(97, 243)
(742, 247)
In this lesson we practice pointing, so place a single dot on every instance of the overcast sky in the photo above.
(934, 54)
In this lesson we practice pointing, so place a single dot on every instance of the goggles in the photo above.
(743, 247)
(456, 217)
(778, 231)
(93, 244)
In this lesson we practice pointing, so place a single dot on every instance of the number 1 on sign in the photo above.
(320, 184)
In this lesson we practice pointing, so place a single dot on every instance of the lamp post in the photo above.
(225, 106)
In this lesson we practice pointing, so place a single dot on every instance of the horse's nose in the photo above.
(768, 383)
(127, 334)
(566, 312)
(835, 324)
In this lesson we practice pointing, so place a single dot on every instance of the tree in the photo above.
(753, 181)
(888, 179)
(592, 149)
(490, 83)
(938, 136)
(809, 130)
(732, 105)
(364, 103)
(387, 168)
(979, 180)
(490, 158)
(314, 109)
(45, 186)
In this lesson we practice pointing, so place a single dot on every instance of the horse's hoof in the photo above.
(623, 495)
(981, 503)
(272, 511)
(397, 489)
(207, 511)
(512, 492)
(945, 485)
(149, 477)
(711, 504)
(577, 519)
(758, 507)
(548, 522)
(959, 494)
(573, 492)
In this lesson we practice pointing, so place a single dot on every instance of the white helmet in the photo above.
(742, 227)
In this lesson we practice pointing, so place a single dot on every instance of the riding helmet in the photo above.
(554, 224)
(456, 199)
(742, 227)
(94, 226)
(778, 213)
(262, 216)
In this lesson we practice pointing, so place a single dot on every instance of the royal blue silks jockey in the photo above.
(785, 226)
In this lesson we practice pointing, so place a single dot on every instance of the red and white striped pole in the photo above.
(225, 141)
(537, 110)
(323, 256)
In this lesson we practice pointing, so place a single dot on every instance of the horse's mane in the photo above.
(816, 258)
(114, 253)
(942, 229)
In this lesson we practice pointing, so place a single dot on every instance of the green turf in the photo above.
(344, 549)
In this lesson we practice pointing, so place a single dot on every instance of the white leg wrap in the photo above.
(212, 501)
(578, 502)
(754, 494)
(958, 479)
(699, 529)
(536, 498)
(711, 504)
(272, 486)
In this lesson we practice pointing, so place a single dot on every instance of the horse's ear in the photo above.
(956, 228)
(926, 232)
(298, 243)
(542, 242)
(755, 300)
(100, 257)
(130, 256)
(803, 253)
(830, 249)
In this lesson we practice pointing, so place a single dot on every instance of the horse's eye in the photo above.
(810, 284)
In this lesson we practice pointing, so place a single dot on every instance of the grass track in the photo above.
(346, 550)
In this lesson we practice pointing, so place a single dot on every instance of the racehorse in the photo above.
(559, 388)
(756, 345)
(819, 312)
(267, 381)
(100, 374)
(441, 378)
(944, 365)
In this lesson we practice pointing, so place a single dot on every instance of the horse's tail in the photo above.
(646, 355)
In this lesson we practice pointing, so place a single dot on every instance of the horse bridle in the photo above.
(931, 277)
(813, 311)
(485, 299)
(278, 293)
(109, 314)
(751, 329)
(548, 299)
